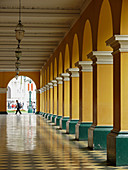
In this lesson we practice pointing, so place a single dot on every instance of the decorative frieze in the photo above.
(74, 72)
(66, 76)
(84, 66)
(101, 57)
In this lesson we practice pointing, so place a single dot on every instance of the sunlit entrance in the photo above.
(22, 89)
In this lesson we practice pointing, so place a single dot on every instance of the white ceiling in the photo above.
(45, 23)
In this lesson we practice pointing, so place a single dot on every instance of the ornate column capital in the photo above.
(101, 57)
(50, 85)
(59, 80)
(44, 88)
(119, 43)
(84, 66)
(47, 87)
(66, 76)
(74, 72)
(54, 82)
(3, 90)
(37, 91)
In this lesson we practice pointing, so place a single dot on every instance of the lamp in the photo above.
(17, 64)
(18, 53)
(19, 28)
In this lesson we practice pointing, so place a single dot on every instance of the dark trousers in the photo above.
(18, 110)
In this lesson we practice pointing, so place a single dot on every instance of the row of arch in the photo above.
(78, 48)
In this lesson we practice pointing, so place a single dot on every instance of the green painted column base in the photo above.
(70, 126)
(63, 121)
(40, 113)
(49, 116)
(4, 112)
(53, 118)
(37, 113)
(57, 120)
(117, 148)
(43, 114)
(97, 137)
(46, 114)
(81, 131)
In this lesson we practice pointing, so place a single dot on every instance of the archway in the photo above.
(75, 51)
(66, 58)
(60, 64)
(23, 90)
(105, 27)
(87, 41)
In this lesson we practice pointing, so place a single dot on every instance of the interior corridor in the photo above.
(31, 142)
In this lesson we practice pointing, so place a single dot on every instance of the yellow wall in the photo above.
(66, 59)
(75, 51)
(66, 98)
(105, 29)
(104, 94)
(87, 41)
(60, 64)
(124, 18)
(75, 98)
(55, 100)
(87, 101)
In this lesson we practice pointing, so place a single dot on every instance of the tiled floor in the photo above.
(32, 143)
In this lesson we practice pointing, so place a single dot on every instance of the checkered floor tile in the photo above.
(30, 142)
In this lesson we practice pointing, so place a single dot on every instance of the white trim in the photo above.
(74, 72)
(119, 43)
(47, 87)
(59, 80)
(66, 76)
(37, 91)
(3, 90)
(50, 85)
(54, 82)
(101, 57)
(84, 66)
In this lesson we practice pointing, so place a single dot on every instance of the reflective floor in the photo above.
(30, 142)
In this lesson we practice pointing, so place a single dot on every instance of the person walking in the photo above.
(18, 106)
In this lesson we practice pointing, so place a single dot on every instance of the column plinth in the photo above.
(102, 99)
(117, 139)
(66, 108)
(85, 104)
(74, 100)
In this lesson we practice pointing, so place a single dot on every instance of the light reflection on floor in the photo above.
(29, 142)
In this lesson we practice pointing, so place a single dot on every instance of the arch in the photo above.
(75, 51)
(20, 91)
(60, 64)
(9, 92)
(51, 72)
(7, 76)
(55, 68)
(66, 58)
(124, 18)
(105, 26)
(47, 75)
(87, 41)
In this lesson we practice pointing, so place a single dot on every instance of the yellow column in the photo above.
(86, 100)
(37, 101)
(74, 100)
(117, 140)
(60, 100)
(54, 100)
(50, 98)
(47, 98)
(102, 99)
(42, 91)
(44, 99)
(66, 100)
(3, 98)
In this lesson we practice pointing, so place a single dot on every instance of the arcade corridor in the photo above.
(31, 142)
